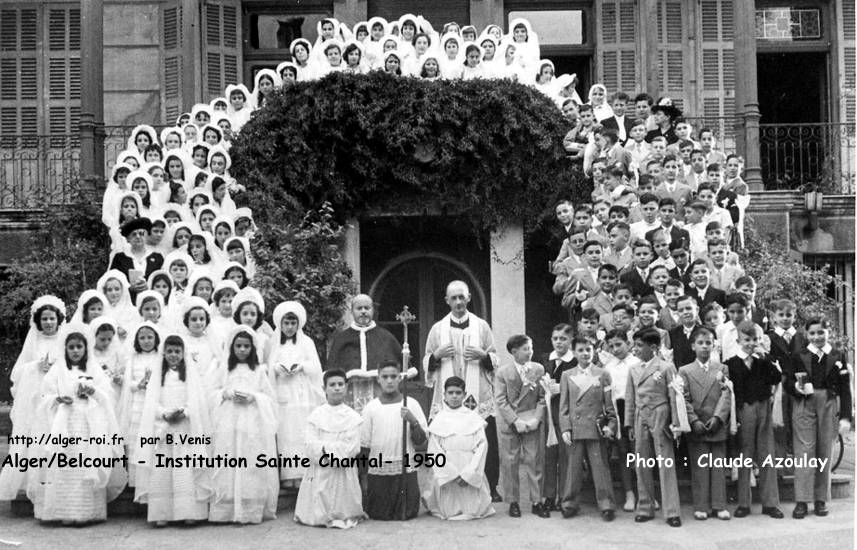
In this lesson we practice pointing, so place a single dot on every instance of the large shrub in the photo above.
(491, 151)
(67, 256)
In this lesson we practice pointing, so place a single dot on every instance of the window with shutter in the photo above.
(221, 46)
(671, 40)
(718, 69)
(617, 51)
(848, 49)
(19, 76)
(63, 74)
(171, 41)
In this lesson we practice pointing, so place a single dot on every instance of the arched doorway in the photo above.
(418, 280)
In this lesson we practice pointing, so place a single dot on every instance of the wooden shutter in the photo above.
(672, 38)
(718, 68)
(62, 74)
(221, 45)
(848, 56)
(172, 69)
(616, 44)
(19, 76)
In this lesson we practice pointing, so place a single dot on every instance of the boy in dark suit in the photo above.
(680, 336)
(636, 275)
(519, 400)
(681, 271)
(700, 276)
(746, 285)
(678, 237)
(786, 343)
(555, 363)
(753, 379)
(708, 401)
(584, 397)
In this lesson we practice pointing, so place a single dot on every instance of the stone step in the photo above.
(124, 505)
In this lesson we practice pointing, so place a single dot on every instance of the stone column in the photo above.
(351, 248)
(92, 92)
(746, 93)
(508, 311)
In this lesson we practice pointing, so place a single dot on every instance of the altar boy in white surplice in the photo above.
(461, 344)
(459, 488)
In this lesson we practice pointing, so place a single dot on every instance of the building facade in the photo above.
(775, 79)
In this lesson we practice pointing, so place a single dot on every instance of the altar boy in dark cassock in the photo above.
(520, 402)
(649, 410)
(586, 403)
(708, 401)
(381, 440)
(556, 362)
(359, 349)
(753, 378)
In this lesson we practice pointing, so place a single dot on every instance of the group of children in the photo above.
(623, 392)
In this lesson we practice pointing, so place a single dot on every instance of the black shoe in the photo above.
(800, 510)
(541, 511)
(820, 508)
(643, 518)
(495, 497)
(674, 521)
(743, 512)
(570, 512)
(772, 511)
(514, 510)
(608, 515)
(549, 505)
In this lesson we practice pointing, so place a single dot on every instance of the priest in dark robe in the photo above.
(359, 350)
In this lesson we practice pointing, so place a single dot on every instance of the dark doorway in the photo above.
(793, 87)
(573, 64)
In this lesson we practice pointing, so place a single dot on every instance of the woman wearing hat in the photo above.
(664, 114)
(138, 260)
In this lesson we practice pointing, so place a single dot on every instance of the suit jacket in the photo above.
(759, 316)
(681, 276)
(727, 200)
(124, 263)
(568, 286)
(511, 396)
(836, 378)
(618, 260)
(682, 194)
(648, 396)
(555, 371)
(725, 279)
(632, 278)
(613, 124)
(678, 237)
(711, 295)
(752, 386)
(787, 355)
(666, 321)
(682, 352)
(580, 405)
(706, 396)
(600, 302)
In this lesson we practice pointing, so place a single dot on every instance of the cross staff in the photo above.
(406, 318)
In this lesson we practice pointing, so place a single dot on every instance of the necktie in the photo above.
(704, 367)
(749, 362)
(787, 336)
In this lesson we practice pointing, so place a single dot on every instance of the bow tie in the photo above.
(461, 326)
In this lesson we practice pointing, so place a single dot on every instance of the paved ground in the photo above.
(835, 532)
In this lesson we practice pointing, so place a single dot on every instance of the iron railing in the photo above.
(795, 155)
(38, 170)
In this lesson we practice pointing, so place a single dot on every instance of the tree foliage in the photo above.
(778, 275)
(491, 151)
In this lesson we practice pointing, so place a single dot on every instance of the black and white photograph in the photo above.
(394, 274)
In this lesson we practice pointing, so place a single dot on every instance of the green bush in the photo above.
(301, 261)
(778, 275)
(68, 255)
(491, 151)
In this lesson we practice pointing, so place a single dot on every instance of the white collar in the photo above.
(743, 355)
(816, 351)
(459, 320)
(702, 291)
(565, 358)
(704, 366)
(780, 331)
